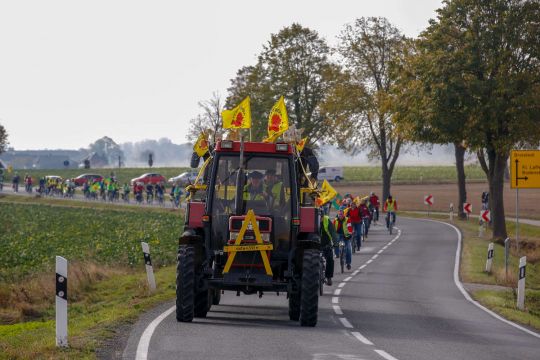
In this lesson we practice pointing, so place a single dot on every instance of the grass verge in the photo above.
(472, 270)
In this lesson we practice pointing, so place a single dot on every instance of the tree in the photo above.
(106, 149)
(3, 139)
(494, 52)
(208, 120)
(295, 63)
(430, 104)
(368, 47)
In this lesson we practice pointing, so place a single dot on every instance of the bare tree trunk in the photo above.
(386, 179)
(460, 168)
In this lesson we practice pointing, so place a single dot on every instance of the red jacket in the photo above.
(374, 200)
(364, 211)
(354, 215)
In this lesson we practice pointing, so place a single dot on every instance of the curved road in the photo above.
(399, 301)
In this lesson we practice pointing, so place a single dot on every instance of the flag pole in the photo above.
(250, 134)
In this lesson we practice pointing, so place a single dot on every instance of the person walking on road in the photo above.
(329, 240)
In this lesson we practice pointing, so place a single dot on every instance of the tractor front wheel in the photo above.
(185, 279)
(294, 306)
(310, 288)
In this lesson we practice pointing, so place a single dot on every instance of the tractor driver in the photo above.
(274, 192)
(254, 189)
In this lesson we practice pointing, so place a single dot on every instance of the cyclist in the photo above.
(356, 223)
(390, 207)
(329, 239)
(15, 182)
(365, 215)
(343, 230)
(374, 206)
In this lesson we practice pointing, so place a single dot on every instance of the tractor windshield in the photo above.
(266, 188)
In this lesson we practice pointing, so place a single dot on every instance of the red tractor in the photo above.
(249, 232)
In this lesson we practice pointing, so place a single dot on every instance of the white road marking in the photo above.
(374, 257)
(335, 300)
(466, 294)
(369, 261)
(385, 247)
(341, 284)
(361, 338)
(385, 355)
(380, 251)
(337, 292)
(337, 310)
(347, 279)
(363, 266)
(346, 323)
(355, 273)
(144, 341)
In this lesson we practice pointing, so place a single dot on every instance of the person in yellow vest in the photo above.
(254, 189)
(329, 240)
(273, 190)
(390, 207)
(344, 230)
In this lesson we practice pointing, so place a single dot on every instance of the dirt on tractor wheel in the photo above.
(411, 197)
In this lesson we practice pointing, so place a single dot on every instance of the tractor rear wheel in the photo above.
(216, 296)
(310, 288)
(185, 278)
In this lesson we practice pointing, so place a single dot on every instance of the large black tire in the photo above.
(202, 304)
(294, 306)
(185, 279)
(310, 288)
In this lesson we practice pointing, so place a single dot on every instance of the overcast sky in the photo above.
(74, 71)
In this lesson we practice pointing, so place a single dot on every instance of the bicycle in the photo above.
(390, 219)
(342, 255)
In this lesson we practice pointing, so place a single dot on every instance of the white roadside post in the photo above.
(506, 257)
(149, 267)
(521, 283)
(451, 212)
(61, 302)
(489, 260)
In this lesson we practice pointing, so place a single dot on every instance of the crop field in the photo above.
(32, 234)
(123, 174)
(413, 174)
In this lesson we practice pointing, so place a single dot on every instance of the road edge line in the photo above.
(144, 340)
(464, 292)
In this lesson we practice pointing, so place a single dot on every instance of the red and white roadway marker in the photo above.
(485, 215)
(428, 200)
(467, 208)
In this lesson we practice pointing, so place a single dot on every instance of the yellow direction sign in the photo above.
(525, 169)
(261, 247)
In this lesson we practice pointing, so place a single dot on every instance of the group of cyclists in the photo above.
(107, 189)
(350, 227)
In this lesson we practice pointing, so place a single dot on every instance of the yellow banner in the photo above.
(278, 120)
(300, 145)
(239, 117)
(327, 193)
(201, 146)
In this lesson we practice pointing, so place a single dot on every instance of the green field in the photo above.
(32, 234)
(124, 175)
(412, 174)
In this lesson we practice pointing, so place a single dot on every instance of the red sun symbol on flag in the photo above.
(275, 122)
(237, 122)
(204, 144)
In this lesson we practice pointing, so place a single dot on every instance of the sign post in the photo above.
(451, 212)
(506, 257)
(489, 260)
(149, 267)
(428, 200)
(525, 174)
(521, 283)
(485, 218)
(61, 302)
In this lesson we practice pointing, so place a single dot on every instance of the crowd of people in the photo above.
(350, 227)
(107, 189)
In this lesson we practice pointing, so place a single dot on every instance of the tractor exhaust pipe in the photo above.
(239, 202)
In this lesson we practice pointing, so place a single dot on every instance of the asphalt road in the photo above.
(400, 301)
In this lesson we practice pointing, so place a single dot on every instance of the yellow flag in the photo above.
(239, 117)
(278, 120)
(201, 146)
(327, 193)
(300, 145)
